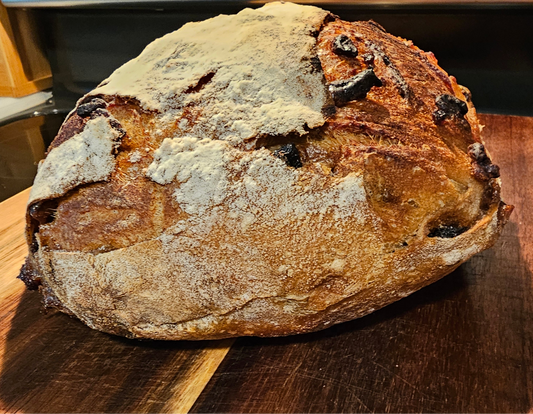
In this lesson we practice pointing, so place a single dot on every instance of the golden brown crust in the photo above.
(397, 194)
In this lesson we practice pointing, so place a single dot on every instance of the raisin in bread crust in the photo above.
(170, 206)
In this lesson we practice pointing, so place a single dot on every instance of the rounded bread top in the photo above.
(253, 73)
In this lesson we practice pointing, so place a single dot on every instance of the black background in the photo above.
(488, 48)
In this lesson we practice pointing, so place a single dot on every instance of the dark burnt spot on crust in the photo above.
(449, 106)
(477, 152)
(329, 111)
(354, 88)
(99, 112)
(504, 212)
(447, 231)
(117, 127)
(86, 109)
(29, 275)
(316, 66)
(290, 155)
(34, 246)
(40, 213)
(43, 211)
(103, 83)
(343, 46)
(403, 88)
(439, 116)
(368, 58)
(391, 70)
(482, 165)
(493, 171)
(204, 80)
(490, 196)
(90, 98)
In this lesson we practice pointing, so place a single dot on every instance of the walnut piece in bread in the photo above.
(267, 173)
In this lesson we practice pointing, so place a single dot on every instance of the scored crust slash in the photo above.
(267, 173)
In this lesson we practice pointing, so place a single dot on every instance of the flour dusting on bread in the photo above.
(85, 158)
(207, 170)
(254, 73)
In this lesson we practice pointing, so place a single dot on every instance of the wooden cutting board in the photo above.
(463, 344)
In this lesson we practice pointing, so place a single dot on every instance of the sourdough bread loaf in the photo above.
(267, 173)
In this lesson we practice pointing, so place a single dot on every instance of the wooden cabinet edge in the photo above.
(24, 68)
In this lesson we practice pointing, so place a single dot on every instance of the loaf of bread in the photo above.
(268, 173)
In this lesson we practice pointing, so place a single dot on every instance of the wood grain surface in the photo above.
(463, 344)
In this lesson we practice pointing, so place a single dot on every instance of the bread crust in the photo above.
(188, 236)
